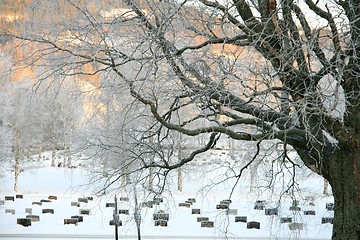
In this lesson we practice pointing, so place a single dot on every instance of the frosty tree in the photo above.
(249, 69)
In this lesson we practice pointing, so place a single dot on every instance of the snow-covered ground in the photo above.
(203, 181)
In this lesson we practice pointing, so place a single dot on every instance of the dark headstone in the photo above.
(241, 219)
(161, 216)
(45, 200)
(110, 205)
(48, 210)
(286, 220)
(52, 197)
(124, 211)
(330, 206)
(158, 200)
(271, 211)
(19, 196)
(147, 204)
(189, 202)
(161, 223)
(79, 218)
(309, 212)
(34, 218)
(24, 222)
(296, 226)
(75, 204)
(226, 201)
(90, 198)
(253, 224)
(84, 200)
(124, 199)
(195, 211)
(9, 198)
(202, 219)
(192, 200)
(207, 224)
(112, 223)
(71, 221)
(187, 205)
(222, 206)
(37, 203)
(327, 220)
(84, 211)
(295, 208)
(11, 211)
(259, 205)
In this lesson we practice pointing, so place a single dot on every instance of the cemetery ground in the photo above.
(56, 202)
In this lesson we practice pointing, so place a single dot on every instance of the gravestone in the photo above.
(83, 200)
(222, 206)
(231, 212)
(330, 206)
(192, 200)
(207, 224)
(124, 211)
(90, 198)
(28, 210)
(241, 219)
(187, 205)
(45, 200)
(253, 225)
(71, 221)
(189, 202)
(11, 211)
(295, 208)
(110, 205)
(75, 204)
(112, 223)
(48, 210)
(259, 205)
(195, 211)
(202, 219)
(158, 200)
(161, 216)
(24, 222)
(161, 223)
(147, 204)
(327, 220)
(37, 203)
(34, 218)
(79, 218)
(286, 220)
(2, 202)
(309, 212)
(19, 196)
(124, 199)
(52, 197)
(84, 211)
(226, 201)
(271, 211)
(9, 198)
(296, 226)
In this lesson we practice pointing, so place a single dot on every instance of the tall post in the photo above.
(116, 219)
(137, 214)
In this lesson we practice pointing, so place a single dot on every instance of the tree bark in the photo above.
(345, 182)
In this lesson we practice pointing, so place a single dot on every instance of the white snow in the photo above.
(38, 180)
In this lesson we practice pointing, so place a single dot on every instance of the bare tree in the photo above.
(251, 70)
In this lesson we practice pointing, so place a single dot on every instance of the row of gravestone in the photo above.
(35, 218)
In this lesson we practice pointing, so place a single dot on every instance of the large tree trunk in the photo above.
(345, 182)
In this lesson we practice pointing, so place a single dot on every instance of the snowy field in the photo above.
(203, 181)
